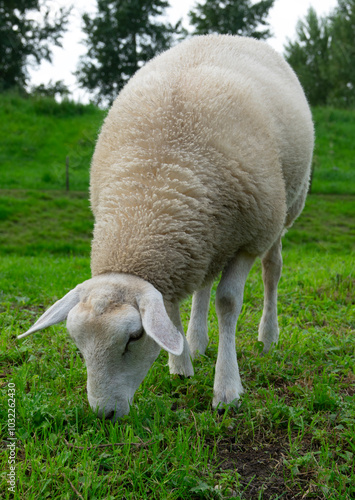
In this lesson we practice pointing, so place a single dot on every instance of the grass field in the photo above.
(334, 159)
(36, 136)
(294, 433)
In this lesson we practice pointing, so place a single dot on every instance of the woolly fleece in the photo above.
(206, 152)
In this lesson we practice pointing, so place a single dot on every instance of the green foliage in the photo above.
(231, 18)
(123, 35)
(323, 56)
(343, 53)
(52, 89)
(24, 40)
(309, 56)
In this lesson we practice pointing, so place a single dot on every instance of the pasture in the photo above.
(293, 435)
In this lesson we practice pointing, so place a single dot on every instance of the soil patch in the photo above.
(262, 468)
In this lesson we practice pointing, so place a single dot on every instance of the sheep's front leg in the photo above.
(229, 301)
(272, 266)
(180, 365)
(197, 333)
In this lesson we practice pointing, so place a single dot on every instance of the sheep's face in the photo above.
(119, 323)
(117, 351)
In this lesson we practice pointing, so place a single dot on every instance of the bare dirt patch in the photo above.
(264, 474)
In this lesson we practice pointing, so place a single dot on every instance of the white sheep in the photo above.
(202, 163)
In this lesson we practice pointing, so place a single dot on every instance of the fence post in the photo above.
(67, 173)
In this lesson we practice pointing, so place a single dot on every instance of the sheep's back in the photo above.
(194, 163)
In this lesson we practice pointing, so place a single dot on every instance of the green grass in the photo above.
(36, 136)
(294, 433)
(334, 159)
(327, 224)
(292, 436)
(34, 222)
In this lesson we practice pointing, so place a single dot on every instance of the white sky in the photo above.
(283, 18)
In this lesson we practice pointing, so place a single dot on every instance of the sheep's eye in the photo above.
(133, 338)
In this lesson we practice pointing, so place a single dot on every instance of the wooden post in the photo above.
(311, 179)
(67, 173)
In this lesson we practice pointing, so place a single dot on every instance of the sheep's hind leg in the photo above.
(197, 333)
(272, 266)
(229, 300)
(180, 365)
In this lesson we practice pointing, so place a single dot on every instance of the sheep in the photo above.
(202, 164)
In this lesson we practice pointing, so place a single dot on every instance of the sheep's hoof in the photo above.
(180, 376)
(233, 405)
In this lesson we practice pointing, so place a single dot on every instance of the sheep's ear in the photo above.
(56, 313)
(157, 324)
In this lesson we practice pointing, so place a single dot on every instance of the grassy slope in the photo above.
(294, 434)
(59, 223)
(37, 135)
(334, 159)
(34, 222)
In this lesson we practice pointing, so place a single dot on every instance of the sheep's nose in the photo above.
(106, 414)
(102, 413)
(108, 410)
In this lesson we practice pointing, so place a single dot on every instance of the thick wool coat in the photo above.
(205, 153)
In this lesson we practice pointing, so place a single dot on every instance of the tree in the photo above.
(122, 36)
(24, 40)
(323, 55)
(232, 17)
(343, 53)
(57, 89)
(310, 57)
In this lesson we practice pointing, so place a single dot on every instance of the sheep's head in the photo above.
(119, 323)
